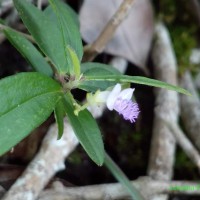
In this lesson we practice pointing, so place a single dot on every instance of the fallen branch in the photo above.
(47, 162)
(146, 186)
(2, 192)
(163, 142)
(185, 144)
(39, 4)
(5, 5)
(190, 110)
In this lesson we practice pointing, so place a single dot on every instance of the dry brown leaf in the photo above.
(132, 39)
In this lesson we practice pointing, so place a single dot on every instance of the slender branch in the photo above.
(99, 44)
(48, 161)
(39, 4)
(148, 188)
(185, 144)
(5, 6)
(163, 142)
(121, 177)
(190, 109)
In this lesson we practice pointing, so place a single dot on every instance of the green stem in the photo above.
(79, 108)
(122, 178)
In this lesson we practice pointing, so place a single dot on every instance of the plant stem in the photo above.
(122, 178)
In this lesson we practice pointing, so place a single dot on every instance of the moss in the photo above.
(75, 158)
(184, 165)
(182, 27)
(183, 42)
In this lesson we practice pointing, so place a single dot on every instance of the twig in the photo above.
(2, 192)
(148, 188)
(48, 161)
(97, 46)
(2, 38)
(184, 143)
(163, 142)
(195, 56)
(5, 6)
(39, 4)
(190, 109)
(195, 59)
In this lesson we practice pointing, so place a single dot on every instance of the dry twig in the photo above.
(163, 142)
(146, 186)
(190, 109)
(184, 143)
(39, 4)
(47, 162)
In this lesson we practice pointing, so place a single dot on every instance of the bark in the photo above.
(47, 162)
(190, 110)
(149, 188)
(184, 143)
(163, 142)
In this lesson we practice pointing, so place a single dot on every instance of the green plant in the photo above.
(27, 99)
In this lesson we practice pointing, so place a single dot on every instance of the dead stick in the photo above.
(99, 44)
(190, 109)
(163, 142)
(148, 188)
(48, 161)
(185, 143)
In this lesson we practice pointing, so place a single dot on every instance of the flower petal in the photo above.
(126, 93)
(112, 97)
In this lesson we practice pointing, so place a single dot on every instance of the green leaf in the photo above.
(122, 178)
(86, 130)
(68, 26)
(75, 68)
(47, 34)
(26, 100)
(92, 69)
(49, 12)
(136, 79)
(59, 114)
(29, 52)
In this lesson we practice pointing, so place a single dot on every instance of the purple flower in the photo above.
(127, 109)
(116, 99)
